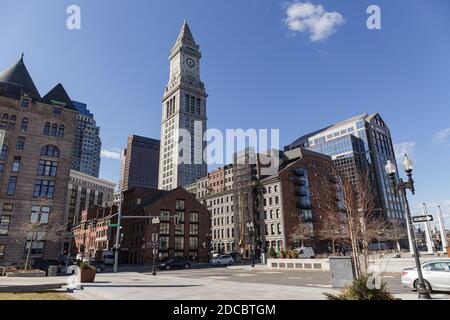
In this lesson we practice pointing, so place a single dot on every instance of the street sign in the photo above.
(112, 225)
(425, 218)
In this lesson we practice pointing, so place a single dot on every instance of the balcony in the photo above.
(298, 182)
(303, 205)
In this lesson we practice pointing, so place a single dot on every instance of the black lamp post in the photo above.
(155, 223)
(251, 230)
(401, 187)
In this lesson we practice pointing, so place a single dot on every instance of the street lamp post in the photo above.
(155, 223)
(251, 230)
(401, 187)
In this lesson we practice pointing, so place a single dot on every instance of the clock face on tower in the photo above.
(190, 62)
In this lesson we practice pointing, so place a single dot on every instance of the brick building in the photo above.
(94, 234)
(35, 160)
(183, 229)
(274, 203)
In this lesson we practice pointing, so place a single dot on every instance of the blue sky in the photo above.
(258, 73)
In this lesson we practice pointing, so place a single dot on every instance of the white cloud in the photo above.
(403, 148)
(114, 153)
(441, 136)
(313, 19)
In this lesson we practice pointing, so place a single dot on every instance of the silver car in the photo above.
(436, 275)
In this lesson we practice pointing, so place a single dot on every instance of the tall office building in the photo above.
(36, 139)
(183, 107)
(87, 146)
(359, 144)
(140, 163)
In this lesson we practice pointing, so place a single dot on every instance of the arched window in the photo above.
(4, 153)
(4, 122)
(54, 130)
(47, 129)
(24, 125)
(50, 151)
(61, 131)
(12, 122)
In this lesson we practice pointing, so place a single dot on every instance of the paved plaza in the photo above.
(236, 283)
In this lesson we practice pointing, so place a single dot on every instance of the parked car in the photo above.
(236, 257)
(108, 259)
(175, 263)
(223, 260)
(305, 253)
(436, 275)
(45, 264)
(97, 264)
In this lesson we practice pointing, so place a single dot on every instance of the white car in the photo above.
(436, 275)
(223, 260)
(305, 253)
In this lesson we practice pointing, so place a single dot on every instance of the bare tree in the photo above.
(351, 208)
(395, 231)
(42, 230)
(301, 232)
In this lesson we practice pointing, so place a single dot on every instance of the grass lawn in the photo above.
(43, 295)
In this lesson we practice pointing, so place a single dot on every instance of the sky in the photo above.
(293, 65)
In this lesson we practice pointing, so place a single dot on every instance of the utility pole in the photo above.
(118, 234)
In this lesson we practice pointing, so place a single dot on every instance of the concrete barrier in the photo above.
(299, 264)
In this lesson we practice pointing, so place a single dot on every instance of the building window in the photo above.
(61, 131)
(8, 207)
(40, 214)
(44, 188)
(54, 130)
(180, 204)
(20, 143)
(11, 186)
(179, 243)
(279, 228)
(197, 106)
(56, 110)
(50, 151)
(12, 122)
(163, 243)
(47, 168)
(47, 129)
(193, 218)
(4, 122)
(2, 250)
(4, 225)
(25, 103)
(193, 229)
(4, 153)
(193, 243)
(16, 164)
(24, 125)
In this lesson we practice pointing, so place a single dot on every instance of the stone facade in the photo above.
(34, 164)
(183, 117)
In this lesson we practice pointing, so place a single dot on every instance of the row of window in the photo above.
(9, 122)
(53, 130)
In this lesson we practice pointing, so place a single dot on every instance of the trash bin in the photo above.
(342, 271)
(52, 271)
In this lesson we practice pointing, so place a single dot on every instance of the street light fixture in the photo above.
(401, 187)
(155, 223)
(251, 230)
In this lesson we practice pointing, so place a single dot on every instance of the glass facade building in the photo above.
(359, 144)
(87, 146)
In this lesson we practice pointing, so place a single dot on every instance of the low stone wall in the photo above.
(26, 274)
(299, 264)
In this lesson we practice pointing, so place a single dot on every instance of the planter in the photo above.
(26, 274)
(87, 276)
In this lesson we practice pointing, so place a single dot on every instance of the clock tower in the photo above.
(183, 116)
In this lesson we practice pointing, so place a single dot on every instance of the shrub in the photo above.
(86, 266)
(283, 254)
(294, 254)
(288, 255)
(359, 290)
(272, 252)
